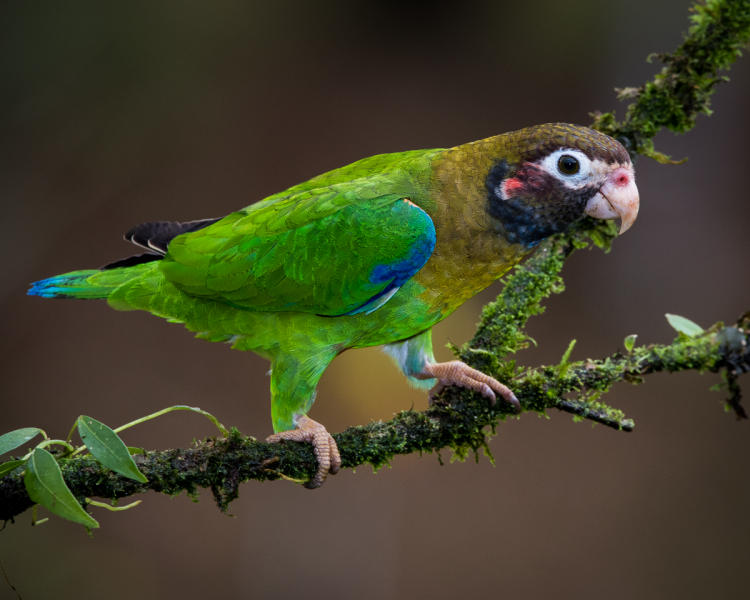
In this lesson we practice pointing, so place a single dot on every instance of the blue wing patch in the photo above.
(399, 272)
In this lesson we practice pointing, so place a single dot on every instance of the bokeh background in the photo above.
(117, 113)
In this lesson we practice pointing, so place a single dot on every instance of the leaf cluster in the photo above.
(43, 478)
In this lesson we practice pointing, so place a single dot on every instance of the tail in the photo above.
(101, 283)
(92, 283)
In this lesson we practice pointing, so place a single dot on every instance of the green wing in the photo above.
(325, 251)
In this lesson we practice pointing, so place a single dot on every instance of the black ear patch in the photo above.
(495, 179)
(521, 224)
(155, 236)
(543, 208)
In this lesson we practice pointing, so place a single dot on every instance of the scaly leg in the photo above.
(459, 373)
(417, 361)
(293, 381)
(324, 446)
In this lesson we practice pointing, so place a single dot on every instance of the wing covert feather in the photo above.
(321, 251)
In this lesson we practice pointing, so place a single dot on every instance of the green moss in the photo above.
(461, 421)
(682, 89)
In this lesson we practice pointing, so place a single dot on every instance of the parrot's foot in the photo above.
(324, 446)
(458, 373)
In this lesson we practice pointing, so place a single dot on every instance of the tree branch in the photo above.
(682, 89)
(459, 419)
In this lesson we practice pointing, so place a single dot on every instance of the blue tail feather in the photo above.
(77, 284)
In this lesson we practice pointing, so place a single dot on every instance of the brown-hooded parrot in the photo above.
(373, 253)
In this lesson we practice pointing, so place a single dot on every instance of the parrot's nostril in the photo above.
(621, 178)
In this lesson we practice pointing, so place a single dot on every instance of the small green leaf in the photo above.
(7, 467)
(568, 351)
(107, 447)
(16, 438)
(629, 342)
(683, 325)
(46, 486)
(562, 368)
(136, 450)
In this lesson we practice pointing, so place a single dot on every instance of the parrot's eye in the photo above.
(568, 165)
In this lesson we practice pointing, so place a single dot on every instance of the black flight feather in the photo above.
(132, 260)
(155, 236)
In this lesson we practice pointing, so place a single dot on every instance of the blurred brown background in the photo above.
(114, 114)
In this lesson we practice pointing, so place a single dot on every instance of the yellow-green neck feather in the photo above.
(470, 253)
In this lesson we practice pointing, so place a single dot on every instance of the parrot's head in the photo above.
(552, 175)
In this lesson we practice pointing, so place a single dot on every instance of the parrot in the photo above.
(374, 253)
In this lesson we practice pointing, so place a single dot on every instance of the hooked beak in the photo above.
(616, 199)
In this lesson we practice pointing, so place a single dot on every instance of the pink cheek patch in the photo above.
(511, 187)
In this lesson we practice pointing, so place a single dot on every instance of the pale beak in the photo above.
(616, 199)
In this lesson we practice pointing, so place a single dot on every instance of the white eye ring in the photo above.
(575, 180)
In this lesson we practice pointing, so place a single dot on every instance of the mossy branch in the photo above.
(460, 419)
(719, 30)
